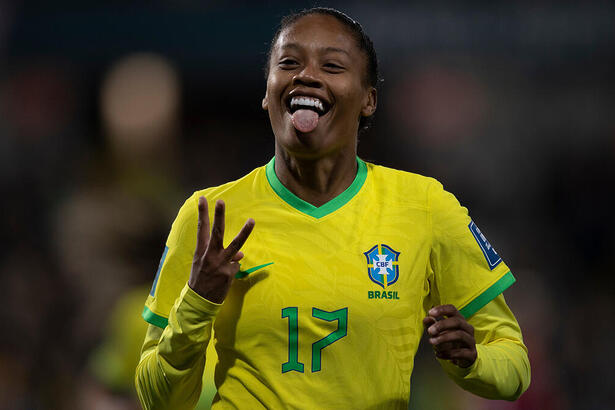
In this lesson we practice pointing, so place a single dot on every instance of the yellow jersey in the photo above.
(328, 305)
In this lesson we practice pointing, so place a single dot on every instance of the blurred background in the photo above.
(113, 112)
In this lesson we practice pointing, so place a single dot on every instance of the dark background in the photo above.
(113, 112)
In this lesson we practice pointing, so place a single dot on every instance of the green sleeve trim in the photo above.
(309, 209)
(488, 295)
(154, 319)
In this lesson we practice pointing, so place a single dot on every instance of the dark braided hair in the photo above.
(363, 41)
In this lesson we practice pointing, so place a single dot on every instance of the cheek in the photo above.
(352, 96)
(273, 91)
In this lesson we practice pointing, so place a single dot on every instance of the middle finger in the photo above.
(217, 231)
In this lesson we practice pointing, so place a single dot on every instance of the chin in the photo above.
(309, 145)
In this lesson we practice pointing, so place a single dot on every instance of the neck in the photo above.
(316, 180)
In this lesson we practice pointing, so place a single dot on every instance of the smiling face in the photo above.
(317, 66)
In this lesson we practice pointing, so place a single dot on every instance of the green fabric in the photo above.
(154, 319)
(309, 209)
(244, 273)
(488, 295)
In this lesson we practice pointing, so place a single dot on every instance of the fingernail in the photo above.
(432, 330)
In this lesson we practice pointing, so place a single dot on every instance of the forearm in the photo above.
(169, 374)
(502, 369)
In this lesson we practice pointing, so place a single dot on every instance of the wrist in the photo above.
(197, 302)
(465, 363)
(212, 290)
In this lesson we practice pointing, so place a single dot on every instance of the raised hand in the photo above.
(214, 266)
(451, 336)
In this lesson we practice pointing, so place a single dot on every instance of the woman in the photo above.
(349, 261)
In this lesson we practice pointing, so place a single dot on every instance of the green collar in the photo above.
(309, 209)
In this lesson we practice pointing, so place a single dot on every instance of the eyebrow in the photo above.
(326, 49)
(336, 50)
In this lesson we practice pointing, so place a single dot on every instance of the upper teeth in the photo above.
(307, 102)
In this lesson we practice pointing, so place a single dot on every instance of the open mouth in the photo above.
(301, 102)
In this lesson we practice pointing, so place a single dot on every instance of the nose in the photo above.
(308, 77)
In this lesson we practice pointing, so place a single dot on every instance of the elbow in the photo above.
(151, 385)
(156, 391)
(524, 376)
(141, 387)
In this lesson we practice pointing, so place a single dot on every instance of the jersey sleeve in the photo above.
(170, 372)
(175, 264)
(466, 271)
(502, 367)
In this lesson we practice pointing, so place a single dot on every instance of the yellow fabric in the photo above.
(172, 361)
(355, 335)
(502, 368)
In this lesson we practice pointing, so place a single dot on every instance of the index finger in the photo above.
(240, 239)
(444, 310)
(202, 227)
(451, 323)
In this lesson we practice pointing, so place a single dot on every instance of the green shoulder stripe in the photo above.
(488, 295)
(154, 319)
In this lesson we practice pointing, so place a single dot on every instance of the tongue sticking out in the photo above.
(305, 120)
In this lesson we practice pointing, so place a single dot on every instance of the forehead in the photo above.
(318, 31)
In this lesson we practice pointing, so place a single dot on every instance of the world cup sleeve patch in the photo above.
(493, 259)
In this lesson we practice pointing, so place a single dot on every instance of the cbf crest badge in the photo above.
(382, 265)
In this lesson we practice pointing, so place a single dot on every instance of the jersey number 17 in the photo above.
(292, 313)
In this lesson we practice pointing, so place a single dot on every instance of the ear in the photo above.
(370, 102)
(265, 103)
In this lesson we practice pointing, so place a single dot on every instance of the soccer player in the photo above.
(323, 302)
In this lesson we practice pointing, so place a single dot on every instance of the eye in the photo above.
(333, 68)
(288, 63)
